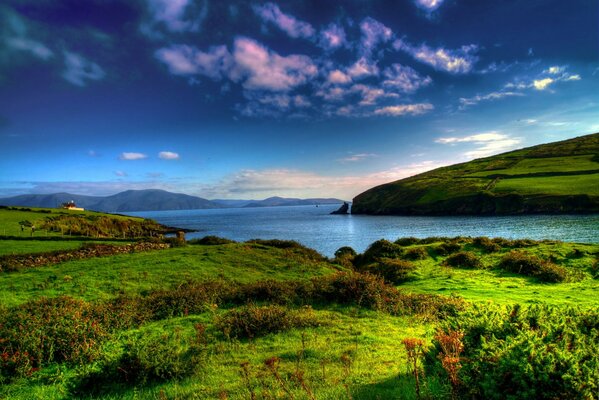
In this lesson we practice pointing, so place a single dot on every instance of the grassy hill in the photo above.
(560, 177)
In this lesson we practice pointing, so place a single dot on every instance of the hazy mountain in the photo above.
(282, 201)
(559, 177)
(130, 200)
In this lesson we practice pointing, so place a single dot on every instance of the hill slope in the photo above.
(559, 177)
(130, 200)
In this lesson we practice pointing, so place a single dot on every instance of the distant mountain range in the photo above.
(150, 200)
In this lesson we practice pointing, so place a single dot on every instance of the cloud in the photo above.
(456, 61)
(338, 77)
(544, 80)
(488, 143)
(471, 101)
(120, 173)
(370, 95)
(187, 60)
(168, 155)
(332, 37)
(79, 69)
(15, 35)
(295, 28)
(363, 68)
(429, 5)
(373, 33)
(132, 156)
(404, 109)
(174, 16)
(404, 79)
(542, 84)
(555, 70)
(357, 157)
(264, 69)
(34, 47)
(271, 105)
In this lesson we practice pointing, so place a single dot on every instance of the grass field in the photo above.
(143, 326)
(551, 185)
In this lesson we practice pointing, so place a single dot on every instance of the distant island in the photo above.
(554, 178)
(150, 200)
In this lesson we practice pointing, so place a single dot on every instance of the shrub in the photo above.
(345, 256)
(524, 353)
(463, 259)
(486, 244)
(447, 248)
(521, 263)
(210, 241)
(253, 321)
(407, 241)
(290, 245)
(392, 270)
(416, 253)
(377, 250)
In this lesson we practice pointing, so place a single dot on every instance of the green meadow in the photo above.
(437, 318)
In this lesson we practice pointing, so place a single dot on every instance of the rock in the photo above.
(344, 209)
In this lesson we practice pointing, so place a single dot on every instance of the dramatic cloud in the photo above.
(373, 33)
(295, 28)
(168, 155)
(471, 101)
(457, 61)
(429, 5)
(404, 109)
(488, 143)
(79, 69)
(332, 37)
(175, 16)
(187, 60)
(266, 70)
(132, 156)
(404, 79)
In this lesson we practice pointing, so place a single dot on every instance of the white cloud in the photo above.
(471, 101)
(542, 84)
(15, 36)
(373, 33)
(332, 37)
(168, 155)
(370, 95)
(338, 77)
(456, 61)
(404, 109)
(555, 70)
(488, 143)
(129, 156)
(175, 16)
(357, 157)
(120, 173)
(187, 60)
(404, 79)
(79, 69)
(429, 5)
(363, 68)
(34, 47)
(266, 70)
(295, 28)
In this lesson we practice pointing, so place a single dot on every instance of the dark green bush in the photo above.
(254, 321)
(407, 241)
(377, 250)
(524, 353)
(525, 264)
(393, 271)
(463, 259)
(447, 248)
(291, 245)
(345, 256)
(486, 244)
(210, 241)
(416, 253)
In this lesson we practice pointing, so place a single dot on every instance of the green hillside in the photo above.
(560, 177)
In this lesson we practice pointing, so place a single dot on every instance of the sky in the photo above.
(250, 99)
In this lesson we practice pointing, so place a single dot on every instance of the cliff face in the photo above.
(554, 178)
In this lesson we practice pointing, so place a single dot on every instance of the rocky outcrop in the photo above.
(344, 209)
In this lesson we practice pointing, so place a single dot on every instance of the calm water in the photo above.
(315, 228)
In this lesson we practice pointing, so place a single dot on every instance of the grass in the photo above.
(551, 185)
(544, 165)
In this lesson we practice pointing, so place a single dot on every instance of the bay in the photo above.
(316, 228)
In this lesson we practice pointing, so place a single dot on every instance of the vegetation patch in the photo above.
(416, 253)
(463, 259)
(393, 271)
(210, 241)
(529, 265)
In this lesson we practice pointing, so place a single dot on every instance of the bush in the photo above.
(253, 321)
(447, 248)
(345, 256)
(529, 265)
(210, 241)
(393, 271)
(524, 353)
(407, 241)
(486, 244)
(416, 253)
(377, 250)
(463, 259)
(291, 245)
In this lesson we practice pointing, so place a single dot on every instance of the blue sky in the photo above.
(225, 99)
